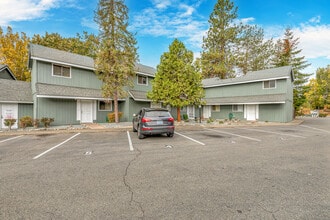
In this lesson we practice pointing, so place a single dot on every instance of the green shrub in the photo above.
(9, 122)
(210, 120)
(323, 115)
(25, 121)
(47, 121)
(185, 117)
(111, 116)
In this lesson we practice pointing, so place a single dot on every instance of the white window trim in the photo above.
(56, 64)
(147, 81)
(263, 84)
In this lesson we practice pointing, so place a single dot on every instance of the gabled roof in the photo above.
(255, 76)
(13, 91)
(6, 73)
(47, 54)
(253, 99)
(69, 92)
(139, 95)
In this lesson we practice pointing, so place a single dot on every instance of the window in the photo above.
(216, 108)
(237, 108)
(105, 106)
(270, 84)
(63, 71)
(142, 80)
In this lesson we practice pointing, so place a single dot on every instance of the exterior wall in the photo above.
(25, 110)
(247, 89)
(62, 110)
(134, 107)
(79, 77)
(272, 113)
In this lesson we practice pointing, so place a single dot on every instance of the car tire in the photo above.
(134, 130)
(140, 136)
(170, 134)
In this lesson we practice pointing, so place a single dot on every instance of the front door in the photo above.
(191, 112)
(251, 112)
(9, 111)
(206, 111)
(86, 111)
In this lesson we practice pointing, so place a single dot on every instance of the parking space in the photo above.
(278, 172)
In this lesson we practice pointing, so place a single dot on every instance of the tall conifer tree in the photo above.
(117, 52)
(217, 57)
(287, 54)
(177, 82)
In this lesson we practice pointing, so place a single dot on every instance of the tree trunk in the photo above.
(178, 114)
(115, 100)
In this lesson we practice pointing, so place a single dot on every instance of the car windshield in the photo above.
(157, 114)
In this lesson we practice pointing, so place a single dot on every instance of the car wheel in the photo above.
(134, 130)
(140, 136)
(170, 134)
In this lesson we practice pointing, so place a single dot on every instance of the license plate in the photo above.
(159, 122)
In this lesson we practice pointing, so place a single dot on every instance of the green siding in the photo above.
(62, 110)
(247, 89)
(25, 110)
(79, 77)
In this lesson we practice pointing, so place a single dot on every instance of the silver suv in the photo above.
(150, 121)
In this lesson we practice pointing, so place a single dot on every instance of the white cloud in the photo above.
(314, 40)
(172, 19)
(20, 10)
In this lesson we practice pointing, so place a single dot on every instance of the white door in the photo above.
(9, 111)
(251, 112)
(206, 111)
(191, 112)
(86, 112)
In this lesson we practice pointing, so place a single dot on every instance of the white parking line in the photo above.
(241, 136)
(11, 138)
(315, 128)
(130, 142)
(271, 132)
(190, 138)
(36, 157)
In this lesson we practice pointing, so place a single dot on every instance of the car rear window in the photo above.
(157, 114)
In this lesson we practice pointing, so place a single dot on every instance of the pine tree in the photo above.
(286, 54)
(252, 51)
(14, 53)
(177, 82)
(217, 57)
(117, 54)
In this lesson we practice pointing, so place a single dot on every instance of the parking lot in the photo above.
(244, 172)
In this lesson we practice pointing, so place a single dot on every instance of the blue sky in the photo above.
(157, 22)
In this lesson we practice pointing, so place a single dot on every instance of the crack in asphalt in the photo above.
(129, 187)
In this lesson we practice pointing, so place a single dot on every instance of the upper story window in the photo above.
(142, 80)
(270, 84)
(59, 70)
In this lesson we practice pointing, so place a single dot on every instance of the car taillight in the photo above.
(143, 120)
(170, 119)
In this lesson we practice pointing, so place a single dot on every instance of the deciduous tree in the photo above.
(117, 53)
(14, 53)
(177, 82)
(85, 44)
